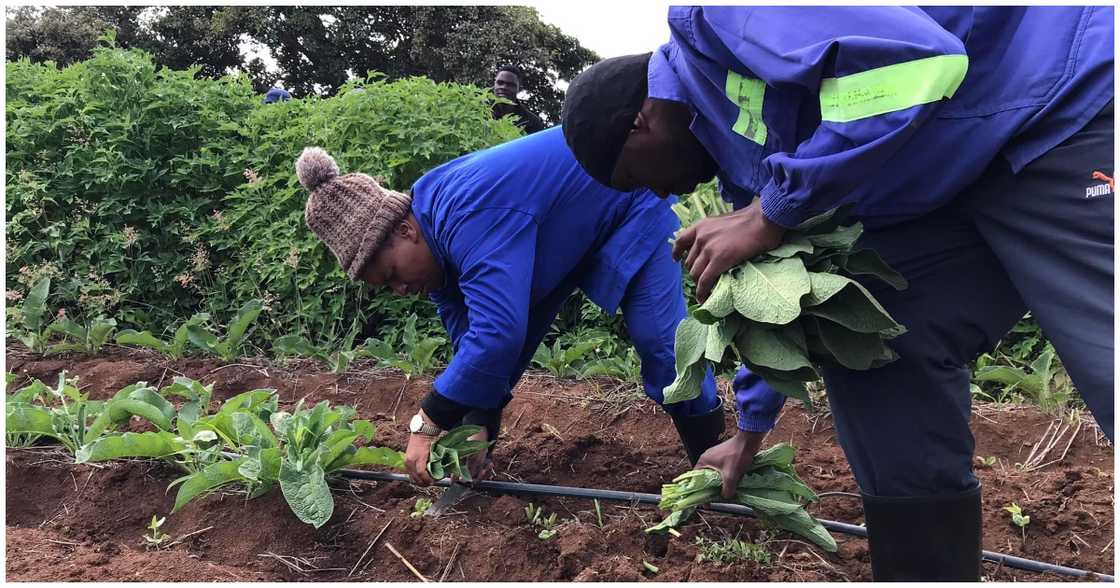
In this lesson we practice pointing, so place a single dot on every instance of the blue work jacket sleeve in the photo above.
(758, 403)
(879, 73)
(452, 313)
(494, 252)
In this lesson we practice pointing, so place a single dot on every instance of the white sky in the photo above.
(610, 28)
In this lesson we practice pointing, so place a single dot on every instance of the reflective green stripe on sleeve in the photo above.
(747, 94)
(892, 87)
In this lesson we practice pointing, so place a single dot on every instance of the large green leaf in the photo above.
(423, 351)
(823, 286)
(100, 330)
(840, 238)
(686, 385)
(382, 456)
(207, 479)
(795, 244)
(855, 308)
(868, 262)
(766, 506)
(720, 336)
(203, 339)
(852, 349)
(297, 345)
(720, 303)
(251, 430)
(241, 323)
(336, 444)
(690, 343)
(179, 342)
(28, 418)
(774, 479)
(770, 292)
(801, 523)
(143, 339)
(35, 305)
(778, 349)
(790, 383)
(778, 456)
(305, 488)
(149, 444)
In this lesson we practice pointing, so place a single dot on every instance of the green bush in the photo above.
(110, 163)
(394, 130)
(149, 195)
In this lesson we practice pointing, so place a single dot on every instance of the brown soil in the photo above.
(85, 522)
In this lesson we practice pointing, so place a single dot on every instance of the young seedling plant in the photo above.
(537, 519)
(155, 538)
(1019, 519)
(420, 507)
(789, 310)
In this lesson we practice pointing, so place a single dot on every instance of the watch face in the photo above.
(415, 424)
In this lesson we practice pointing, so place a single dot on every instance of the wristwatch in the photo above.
(417, 426)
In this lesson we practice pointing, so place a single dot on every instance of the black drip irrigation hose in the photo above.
(1010, 561)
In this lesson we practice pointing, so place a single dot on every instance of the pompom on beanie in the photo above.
(352, 214)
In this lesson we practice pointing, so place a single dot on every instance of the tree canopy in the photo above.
(317, 48)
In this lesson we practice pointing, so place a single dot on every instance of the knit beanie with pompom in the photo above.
(352, 214)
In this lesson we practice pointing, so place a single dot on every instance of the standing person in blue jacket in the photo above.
(277, 93)
(976, 145)
(499, 239)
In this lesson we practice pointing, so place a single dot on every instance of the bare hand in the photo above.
(732, 459)
(416, 459)
(719, 243)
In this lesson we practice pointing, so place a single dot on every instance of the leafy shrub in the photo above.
(109, 164)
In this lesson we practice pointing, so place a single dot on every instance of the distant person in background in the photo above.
(506, 85)
(277, 94)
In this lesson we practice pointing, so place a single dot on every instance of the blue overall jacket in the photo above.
(511, 224)
(893, 109)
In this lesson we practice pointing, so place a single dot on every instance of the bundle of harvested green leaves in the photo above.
(446, 453)
(771, 487)
(790, 309)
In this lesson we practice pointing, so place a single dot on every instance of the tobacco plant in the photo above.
(789, 310)
(419, 356)
(88, 338)
(448, 452)
(228, 347)
(32, 317)
(338, 361)
(175, 348)
(562, 362)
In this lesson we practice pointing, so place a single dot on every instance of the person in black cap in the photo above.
(507, 83)
(976, 146)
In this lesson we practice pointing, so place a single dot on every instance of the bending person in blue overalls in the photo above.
(499, 239)
(976, 145)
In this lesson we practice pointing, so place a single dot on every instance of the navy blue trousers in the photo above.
(1039, 240)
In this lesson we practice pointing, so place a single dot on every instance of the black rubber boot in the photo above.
(924, 538)
(699, 432)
